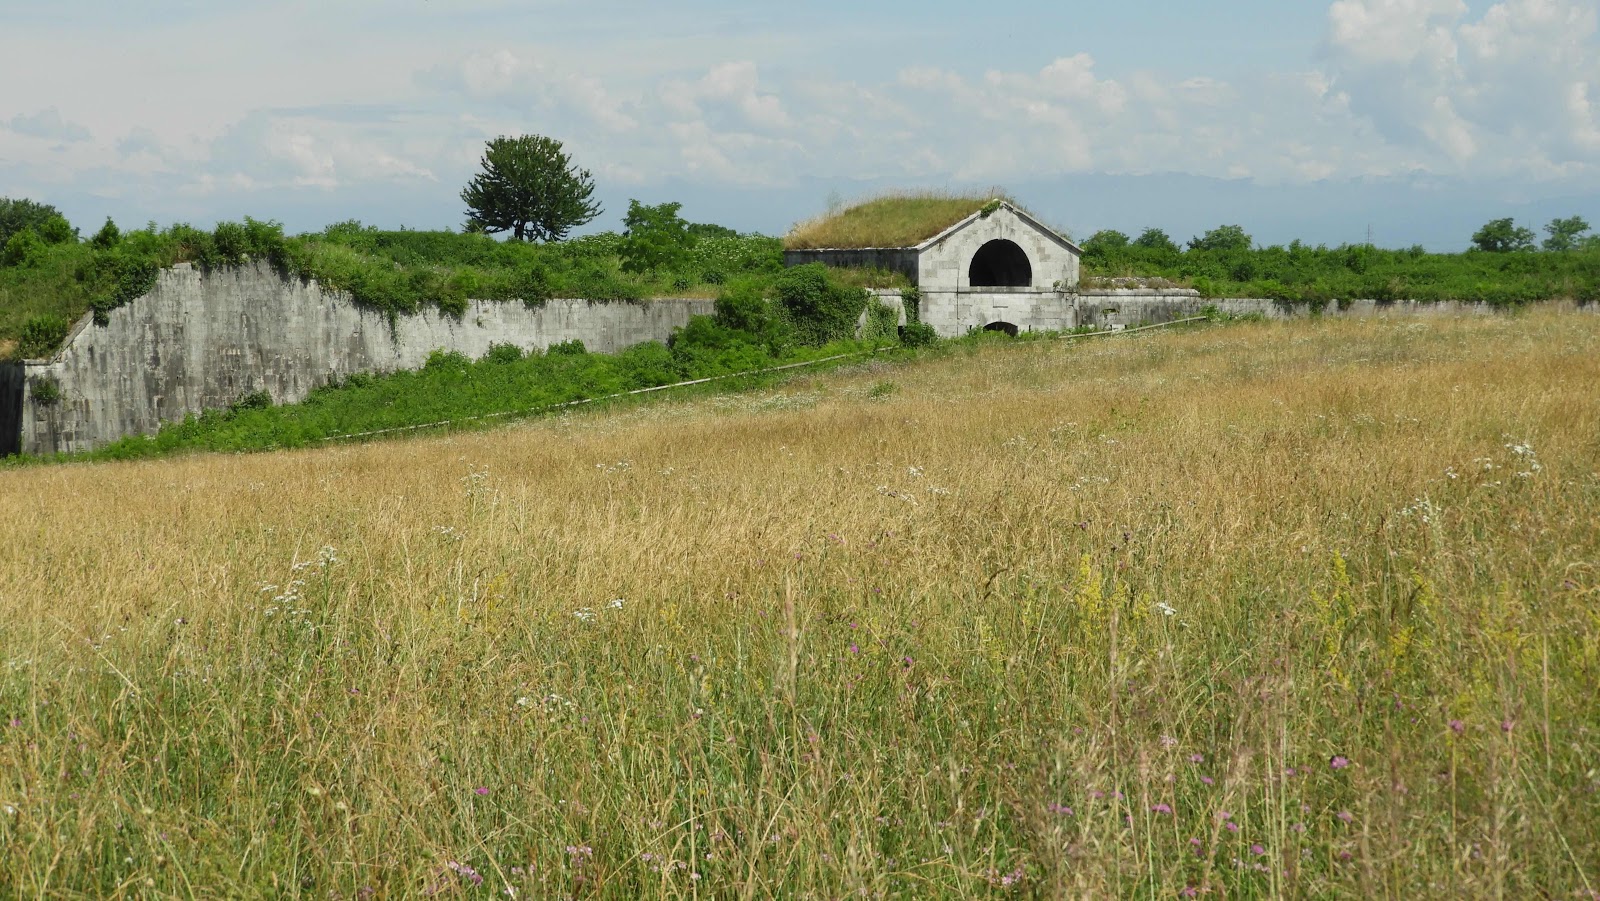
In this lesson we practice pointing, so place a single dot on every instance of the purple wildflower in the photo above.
(1458, 727)
(1258, 851)
(1162, 809)
(1339, 762)
(1346, 816)
(1197, 758)
(481, 790)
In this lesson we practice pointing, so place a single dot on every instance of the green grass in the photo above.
(893, 220)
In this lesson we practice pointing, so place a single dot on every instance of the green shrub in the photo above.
(573, 348)
(42, 336)
(447, 361)
(254, 400)
(819, 308)
(503, 353)
(23, 249)
(45, 390)
(918, 334)
(107, 237)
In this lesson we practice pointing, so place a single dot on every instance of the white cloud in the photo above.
(49, 125)
(1502, 94)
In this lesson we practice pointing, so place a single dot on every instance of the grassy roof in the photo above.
(893, 220)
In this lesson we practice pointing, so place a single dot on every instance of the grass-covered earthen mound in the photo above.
(893, 220)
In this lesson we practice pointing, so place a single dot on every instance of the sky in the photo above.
(1409, 121)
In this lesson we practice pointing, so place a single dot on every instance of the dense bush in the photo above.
(819, 307)
(41, 335)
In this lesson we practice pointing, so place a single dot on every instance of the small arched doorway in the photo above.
(1004, 328)
(1000, 264)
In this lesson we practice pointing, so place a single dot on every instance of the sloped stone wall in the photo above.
(201, 341)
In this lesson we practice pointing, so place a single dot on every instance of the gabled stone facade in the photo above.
(999, 268)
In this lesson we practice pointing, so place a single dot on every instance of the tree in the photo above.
(657, 238)
(1105, 243)
(1155, 239)
(530, 188)
(1502, 236)
(1564, 233)
(45, 220)
(1223, 238)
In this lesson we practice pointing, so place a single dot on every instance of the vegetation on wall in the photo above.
(395, 271)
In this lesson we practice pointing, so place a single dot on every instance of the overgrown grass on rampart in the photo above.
(1279, 610)
(902, 219)
(455, 389)
(398, 272)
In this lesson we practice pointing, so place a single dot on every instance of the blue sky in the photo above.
(1418, 119)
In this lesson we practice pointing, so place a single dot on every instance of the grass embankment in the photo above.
(399, 272)
(1298, 609)
(463, 393)
(892, 220)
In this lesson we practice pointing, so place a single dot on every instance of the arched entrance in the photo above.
(1000, 264)
(1004, 327)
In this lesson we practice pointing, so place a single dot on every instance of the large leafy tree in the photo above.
(1565, 233)
(657, 238)
(45, 220)
(1502, 236)
(529, 187)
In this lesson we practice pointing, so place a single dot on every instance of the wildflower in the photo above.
(1166, 609)
(1168, 741)
(1162, 809)
(481, 790)
(1258, 851)
(1197, 758)
(1506, 725)
(1345, 816)
(1339, 762)
(1231, 826)
(1207, 780)
(616, 603)
(584, 615)
(1059, 809)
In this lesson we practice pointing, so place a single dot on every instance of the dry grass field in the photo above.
(1299, 610)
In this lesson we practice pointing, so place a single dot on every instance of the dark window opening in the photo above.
(1000, 264)
(1005, 327)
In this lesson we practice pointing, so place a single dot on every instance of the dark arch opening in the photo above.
(1000, 264)
(1005, 327)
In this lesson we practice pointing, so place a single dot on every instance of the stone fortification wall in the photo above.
(201, 341)
(955, 313)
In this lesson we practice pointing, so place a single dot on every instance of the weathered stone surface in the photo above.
(201, 341)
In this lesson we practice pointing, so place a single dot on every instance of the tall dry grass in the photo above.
(1303, 610)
